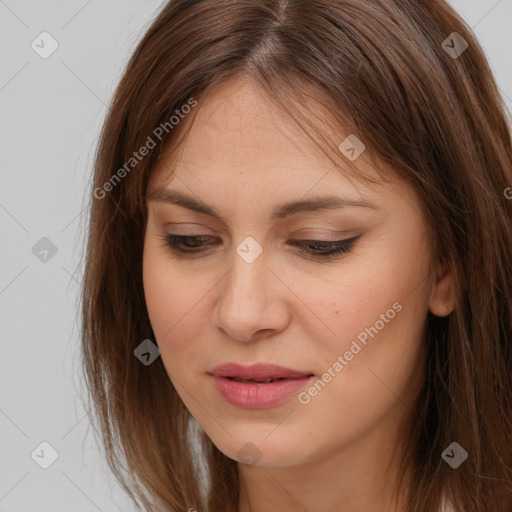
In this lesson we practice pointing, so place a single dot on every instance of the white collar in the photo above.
(446, 505)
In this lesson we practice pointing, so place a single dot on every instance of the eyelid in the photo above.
(194, 226)
(312, 232)
(327, 235)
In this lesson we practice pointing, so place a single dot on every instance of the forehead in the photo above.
(238, 131)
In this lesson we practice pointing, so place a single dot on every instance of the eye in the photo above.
(190, 242)
(325, 248)
(188, 246)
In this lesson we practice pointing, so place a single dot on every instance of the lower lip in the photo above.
(257, 396)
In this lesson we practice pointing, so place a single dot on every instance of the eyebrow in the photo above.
(279, 212)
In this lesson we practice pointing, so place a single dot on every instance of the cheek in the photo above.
(375, 314)
(375, 354)
(169, 294)
(179, 307)
(381, 296)
(369, 368)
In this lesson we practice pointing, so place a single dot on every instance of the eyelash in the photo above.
(338, 247)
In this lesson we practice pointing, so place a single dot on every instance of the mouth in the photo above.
(256, 381)
(257, 386)
(257, 373)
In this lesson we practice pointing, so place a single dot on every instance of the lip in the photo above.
(257, 371)
(257, 395)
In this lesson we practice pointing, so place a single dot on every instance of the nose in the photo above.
(251, 301)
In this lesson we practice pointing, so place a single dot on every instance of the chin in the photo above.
(261, 451)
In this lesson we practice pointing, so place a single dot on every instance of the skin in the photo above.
(243, 157)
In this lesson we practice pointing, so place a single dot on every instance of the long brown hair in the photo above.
(387, 70)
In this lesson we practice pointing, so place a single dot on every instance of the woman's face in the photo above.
(351, 325)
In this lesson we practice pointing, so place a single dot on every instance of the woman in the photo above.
(298, 277)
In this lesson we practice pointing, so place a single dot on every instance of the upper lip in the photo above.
(257, 371)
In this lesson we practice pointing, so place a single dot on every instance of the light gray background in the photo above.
(51, 113)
